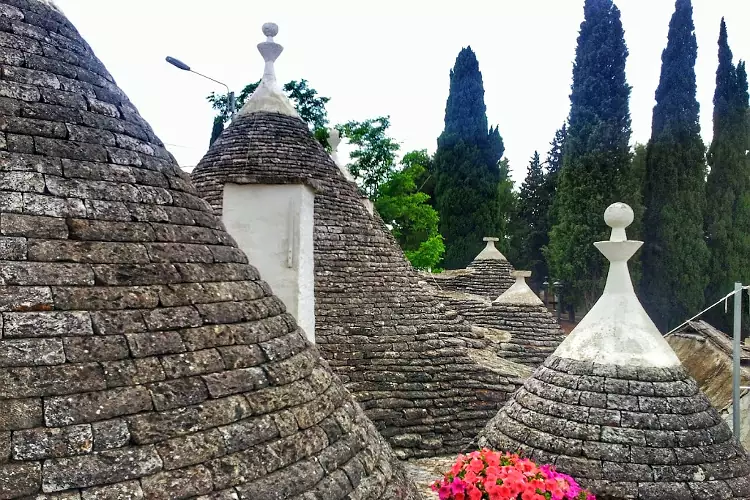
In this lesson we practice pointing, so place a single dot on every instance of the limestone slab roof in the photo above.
(627, 424)
(520, 329)
(141, 355)
(405, 359)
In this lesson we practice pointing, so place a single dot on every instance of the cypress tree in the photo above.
(675, 255)
(466, 166)
(728, 186)
(597, 154)
(533, 209)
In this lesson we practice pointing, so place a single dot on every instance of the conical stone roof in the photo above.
(614, 407)
(533, 330)
(487, 276)
(491, 272)
(384, 334)
(520, 328)
(141, 355)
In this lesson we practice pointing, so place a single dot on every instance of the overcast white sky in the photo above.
(387, 58)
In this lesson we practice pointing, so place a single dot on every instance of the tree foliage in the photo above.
(374, 156)
(467, 176)
(597, 153)
(507, 206)
(309, 105)
(728, 187)
(405, 208)
(533, 212)
(675, 255)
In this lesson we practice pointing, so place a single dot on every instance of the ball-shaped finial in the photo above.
(618, 215)
(271, 29)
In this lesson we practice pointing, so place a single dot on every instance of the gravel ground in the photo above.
(426, 470)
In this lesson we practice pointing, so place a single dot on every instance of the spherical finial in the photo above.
(618, 215)
(271, 29)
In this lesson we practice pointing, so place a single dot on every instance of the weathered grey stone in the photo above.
(37, 273)
(51, 206)
(132, 372)
(19, 479)
(153, 427)
(192, 449)
(181, 483)
(12, 248)
(46, 324)
(178, 393)
(31, 352)
(129, 490)
(84, 349)
(41, 443)
(110, 434)
(192, 363)
(235, 381)
(117, 322)
(17, 414)
(31, 226)
(19, 143)
(96, 406)
(104, 467)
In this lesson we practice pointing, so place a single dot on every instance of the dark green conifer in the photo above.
(533, 207)
(728, 186)
(597, 154)
(675, 255)
(466, 166)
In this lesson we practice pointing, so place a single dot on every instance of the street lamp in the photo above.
(545, 287)
(558, 285)
(184, 67)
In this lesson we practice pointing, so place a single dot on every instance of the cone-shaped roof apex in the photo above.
(269, 96)
(490, 252)
(618, 330)
(519, 293)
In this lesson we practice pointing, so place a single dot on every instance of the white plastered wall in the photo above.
(273, 225)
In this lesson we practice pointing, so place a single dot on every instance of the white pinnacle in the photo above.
(334, 139)
(519, 293)
(618, 330)
(490, 252)
(269, 96)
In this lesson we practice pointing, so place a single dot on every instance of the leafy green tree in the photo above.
(597, 153)
(405, 209)
(374, 157)
(533, 207)
(466, 166)
(309, 105)
(728, 186)
(675, 255)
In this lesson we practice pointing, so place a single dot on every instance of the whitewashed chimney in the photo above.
(273, 223)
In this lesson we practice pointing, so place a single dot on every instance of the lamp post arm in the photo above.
(230, 94)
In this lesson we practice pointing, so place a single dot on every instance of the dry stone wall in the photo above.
(141, 356)
(387, 338)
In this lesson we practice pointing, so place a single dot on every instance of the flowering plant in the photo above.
(487, 475)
